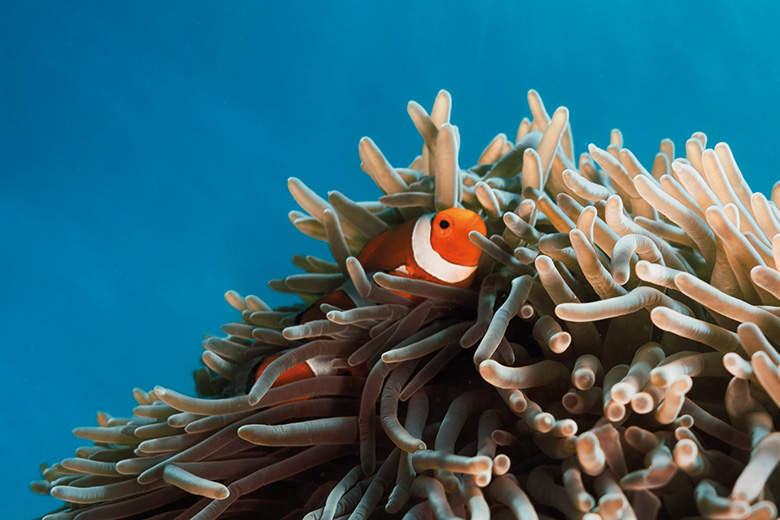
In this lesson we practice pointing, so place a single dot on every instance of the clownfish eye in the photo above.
(444, 224)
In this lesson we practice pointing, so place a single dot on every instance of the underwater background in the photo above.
(145, 147)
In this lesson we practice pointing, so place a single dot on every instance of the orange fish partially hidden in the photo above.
(434, 247)
(305, 370)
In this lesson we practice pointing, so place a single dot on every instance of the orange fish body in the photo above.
(434, 247)
(297, 373)
(318, 366)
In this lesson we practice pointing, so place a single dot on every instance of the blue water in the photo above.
(144, 148)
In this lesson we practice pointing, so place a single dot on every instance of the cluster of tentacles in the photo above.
(616, 357)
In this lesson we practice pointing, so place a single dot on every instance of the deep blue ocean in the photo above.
(145, 147)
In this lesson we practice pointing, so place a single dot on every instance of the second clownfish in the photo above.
(434, 247)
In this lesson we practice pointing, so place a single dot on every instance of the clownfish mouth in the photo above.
(431, 261)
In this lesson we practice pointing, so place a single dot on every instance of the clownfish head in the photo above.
(450, 230)
(442, 247)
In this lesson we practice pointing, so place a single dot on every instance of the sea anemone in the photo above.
(615, 355)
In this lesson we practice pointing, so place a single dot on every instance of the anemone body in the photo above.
(616, 354)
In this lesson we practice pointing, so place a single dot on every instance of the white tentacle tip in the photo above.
(487, 368)
(561, 113)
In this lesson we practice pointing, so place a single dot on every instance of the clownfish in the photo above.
(318, 366)
(435, 247)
